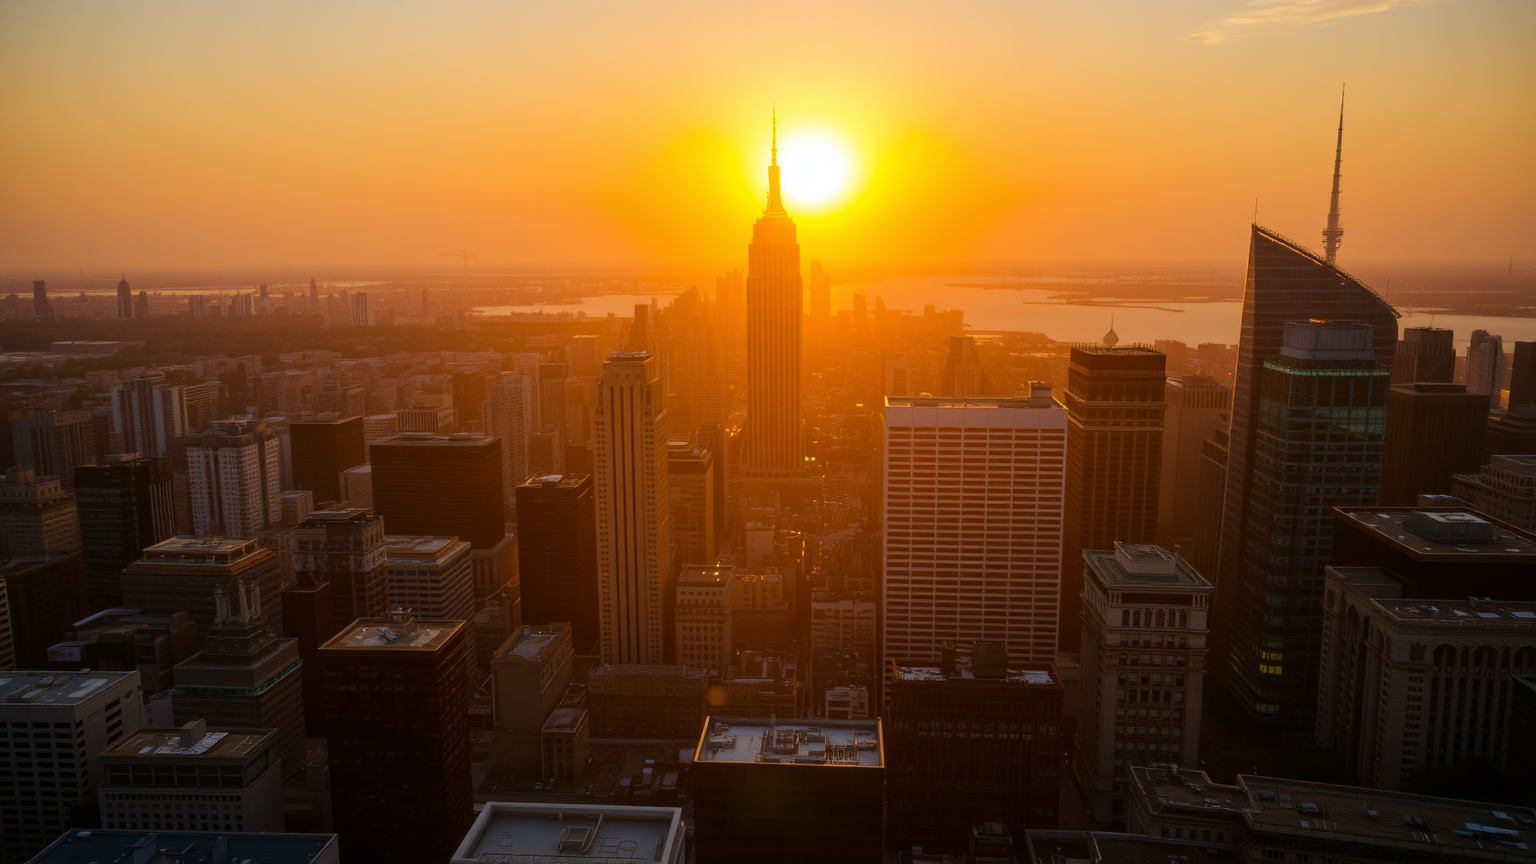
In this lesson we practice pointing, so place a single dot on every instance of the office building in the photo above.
(557, 554)
(1485, 367)
(846, 702)
(343, 400)
(357, 487)
(530, 673)
(635, 700)
(552, 416)
(41, 308)
(363, 313)
(1197, 406)
(1437, 552)
(634, 529)
(764, 616)
(54, 442)
(566, 741)
(37, 515)
(706, 600)
(1426, 354)
(1318, 443)
(963, 376)
(377, 427)
(691, 473)
(1275, 819)
(1143, 669)
(434, 578)
(788, 790)
(1522, 375)
(843, 622)
(152, 414)
(1115, 408)
(247, 675)
(1433, 432)
(510, 414)
(125, 640)
(197, 307)
(397, 725)
(192, 778)
(348, 549)
(322, 449)
(997, 467)
(45, 595)
(443, 486)
(775, 443)
(1408, 684)
(126, 503)
(943, 776)
(1504, 489)
(7, 646)
(429, 419)
(184, 574)
(178, 847)
(528, 833)
(760, 684)
(308, 620)
(124, 300)
(80, 713)
(234, 478)
(1514, 431)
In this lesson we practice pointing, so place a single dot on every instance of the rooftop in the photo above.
(556, 481)
(907, 671)
(59, 688)
(531, 642)
(193, 740)
(1014, 402)
(1383, 587)
(427, 439)
(396, 632)
(343, 514)
(512, 833)
(79, 846)
(564, 719)
(1440, 534)
(422, 546)
(837, 743)
(186, 545)
(708, 574)
(1143, 566)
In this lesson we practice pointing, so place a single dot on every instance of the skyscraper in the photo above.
(552, 415)
(186, 574)
(37, 515)
(125, 504)
(1196, 406)
(124, 300)
(54, 441)
(1485, 367)
(1434, 431)
(234, 479)
(775, 446)
(1317, 443)
(1426, 354)
(345, 548)
(973, 519)
(41, 308)
(362, 310)
(509, 418)
(634, 529)
(1522, 377)
(557, 554)
(322, 449)
(1115, 408)
(691, 473)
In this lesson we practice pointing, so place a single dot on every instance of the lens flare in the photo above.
(817, 170)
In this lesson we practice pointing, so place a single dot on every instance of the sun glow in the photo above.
(817, 170)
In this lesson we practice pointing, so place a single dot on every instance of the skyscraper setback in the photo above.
(775, 446)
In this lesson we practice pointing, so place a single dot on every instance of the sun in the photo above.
(816, 169)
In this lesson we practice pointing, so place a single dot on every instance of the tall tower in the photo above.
(1333, 235)
(634, 531)
(124, 300)
(233, 471)
(774, 300)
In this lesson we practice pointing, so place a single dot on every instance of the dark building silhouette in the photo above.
(963, 375)
(46, 595)
(124, 300)
(1425, 354)
(469, 391)
(1115, 411)
(557, 554)
(1433, 432)
(122, 640)
(307, 620)
(346, 549)
(1522, 377)
(41, 308)
(1285, 283)
(1511, 433)
(1438, 551)
(322, 449)
(1197, 407)
(446, 486)
(1318, 444)
(945, 778)
(1210, 498)
(126, 504)
(185, 574)
(397, 724)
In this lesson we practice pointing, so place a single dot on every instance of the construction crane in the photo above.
(462, 254)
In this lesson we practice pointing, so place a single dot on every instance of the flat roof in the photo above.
(556, 481)
(1509, 544)
(763, 740)
(713, 574)
(190, 545)
(513, 833)
(531, 641)
(109, 847)
(57, 688)
(951, 403)
(388, 634)
(1383, 588)
(423, 546)
(964, 672)
(427, 439)
(564, 719)
(157, 741)
(342, 514)
(1143, 566)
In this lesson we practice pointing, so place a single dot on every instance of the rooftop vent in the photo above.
(1455, 527)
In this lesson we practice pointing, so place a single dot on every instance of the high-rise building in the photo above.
(41, 308)
(963, 376)
(645, 700)
(56, 441)
(123, 640)
(348, 549)
(1437, 552)
(1197, 406)
(431, 419)
(185, 574)
(1504, 489)
(83, 713)
(1433, 432)
(151, 415)
(434, 578)
(530, 673)
(343, 400)
(377, 427)
(1485, 367)
(45, 595)
(634, 530)
(363, 314)
(163, 778)
(308, 620)
(125, 504)
(973, 524)
(124, 300)
(557, 554)
(706, 599)
(552, 415)
(1522, 375)
(590, 831)
(1317, 443)
(691, 473)
(141, 306)
(397, 725)
(1115, 409)
(1394, 697)
(440, 485)
(1143, 669)
(775, 443)
(322, 449)
(509, 418)
(772, 790)
(234, 477)
(1513, 431)
(37, 515)
(1426, 354)
(197, 307)
(969, 739)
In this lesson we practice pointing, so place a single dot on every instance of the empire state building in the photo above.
(774, 444)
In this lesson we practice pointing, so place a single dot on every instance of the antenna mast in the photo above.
(1333, 235)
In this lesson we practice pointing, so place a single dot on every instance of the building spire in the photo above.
(775, 201)
(1333, 235)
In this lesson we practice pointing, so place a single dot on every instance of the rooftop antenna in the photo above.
(1333, 235)
(462, 254)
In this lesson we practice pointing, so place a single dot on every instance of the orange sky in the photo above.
(199, 134)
